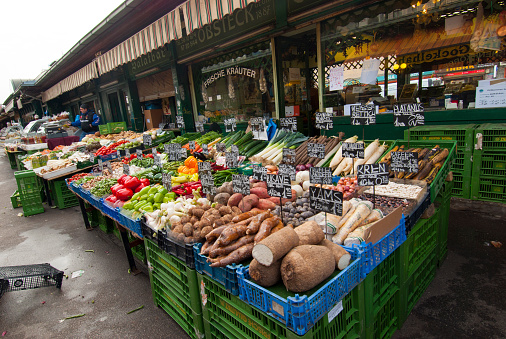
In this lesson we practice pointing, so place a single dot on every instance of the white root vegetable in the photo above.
(341, 255)
(357, 236)
(330, 154)
(275, 246)
(309, 233)
(368, 152)
(379, 152)
(339, 155)
(375, 215)
(361, 212)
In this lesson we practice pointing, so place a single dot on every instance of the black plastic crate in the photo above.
(416, 214)
(183, 252)
(148, 233)
(29, 277)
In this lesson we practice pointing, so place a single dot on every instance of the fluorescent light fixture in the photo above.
(109, 84)
(149, 71)
(87, 95)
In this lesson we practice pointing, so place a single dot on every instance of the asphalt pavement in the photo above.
(465, 300)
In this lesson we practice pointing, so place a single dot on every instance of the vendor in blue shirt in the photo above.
(88, 121)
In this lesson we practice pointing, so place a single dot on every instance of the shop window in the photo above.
(443, 54)
(238, 85)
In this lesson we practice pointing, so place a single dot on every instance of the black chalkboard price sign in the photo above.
(146, 139)
(199, 127)
(315, 150)
(288, 124)
(221, 147)
(325, 200)
(279, 186)
(408, 115)
(139, 153)
(205, 149)
(167, 181)
(231, 159)
(240, 184)
(286, 169)
(259, 173)
(353, 150)
(324, 121)
(320, 175)
(180, 122)
(404, 162)
(372, 174)
(363, 114)
(230, 125)
(174, 152)
(288, 156)
(126, 169)
(191, 144)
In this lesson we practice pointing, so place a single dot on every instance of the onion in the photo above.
(300, 168)
(309, 166)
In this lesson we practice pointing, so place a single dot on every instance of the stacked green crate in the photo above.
(15, 199)
(227, 316)
(462, 167)
(418, 262)
(92, 214)
(12, 159)
(104, 223)
(489, 163)
(63, 196)
(382, 297)
(175, 289)
(443, 201)
(29, 192)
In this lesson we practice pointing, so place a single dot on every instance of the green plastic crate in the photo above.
(28, 184)
(415, 285)
(386, 318)
(488, 189)
(92, 215)
(15, 199)
(32, 205)
(63, 196)
(463, 134)
(104, 129)
(421, 241)
(461, 186)
(104, 223)
(166, 297)
(489, 163)
(493, 137)
(117, 127)
(226, 316)
(181, 277)
(444, 219)
(440, 179)
(12, 159)
(380, 286)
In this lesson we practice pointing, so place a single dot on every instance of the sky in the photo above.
(34, 33)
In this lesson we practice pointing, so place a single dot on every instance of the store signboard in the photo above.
(240, 22)
(408, 115)
(157, 57)
(295, 6)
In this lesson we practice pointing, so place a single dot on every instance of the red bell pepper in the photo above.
(150, 155)
(145, 182)
(116, 187)
(124, 194)
(140, 187)
(133, 156)
(111, 198)
(122, 179)
(131, 183)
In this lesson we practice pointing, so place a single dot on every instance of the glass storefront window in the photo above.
(443, 54)
(237, 85)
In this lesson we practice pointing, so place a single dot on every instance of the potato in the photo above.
(222, 198)
(178, 229)
(188, 230)
(180, 237)
(175, 225)
(224, 210)
(185, 219)
(227, 218)
(189, 240)
(197, 212)
(206, 230)
(235, 199)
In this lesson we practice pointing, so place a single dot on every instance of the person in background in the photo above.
(88, 121)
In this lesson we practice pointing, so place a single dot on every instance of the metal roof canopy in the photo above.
(126, 20)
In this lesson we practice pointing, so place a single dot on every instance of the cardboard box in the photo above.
(153, 117)
(383, 226)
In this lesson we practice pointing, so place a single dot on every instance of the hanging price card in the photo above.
(240, 184)
(286, 169)
(230, 125)
(324, 121)
(372, 174)
(192, 145)
(231, 159)
(363, 114)
(315, 150)
(167, 181)
(325, 200)
(408, 115)
(288, 124)
(92, 157)
(157, 160)
(126, 169)
(180, 122)
(146, 140)
(288, 156)
(205, 149)
(404, 162)
(353, 150)
(139, 153)
(279, 186)
(220, 147)
(259, 173)
(320, 175)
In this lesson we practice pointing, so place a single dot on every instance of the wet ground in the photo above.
(465, 300)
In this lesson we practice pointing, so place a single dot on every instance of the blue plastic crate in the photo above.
(133, 225)
(227, 276)
(374, 254)
(108, 157)
(300, 313)
(111, 212)
(335, 179)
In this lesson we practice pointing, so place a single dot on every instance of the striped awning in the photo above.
(198, 13)
(9, 106)
(83, 75)
(154, 36)
(52, 92)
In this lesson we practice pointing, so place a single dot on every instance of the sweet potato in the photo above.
(341, 256)
(260, 184)
(204, 250)
(265, 275)
(232, 247)
(248, 202)
(214, 234)
(260, 192)
(275, 246)
(231, 233)
(240, 254)
(265, 228)
(222, 198)
(235, 199)
(309, 233)
(254, 225)
(306, 266)
(266, 204)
